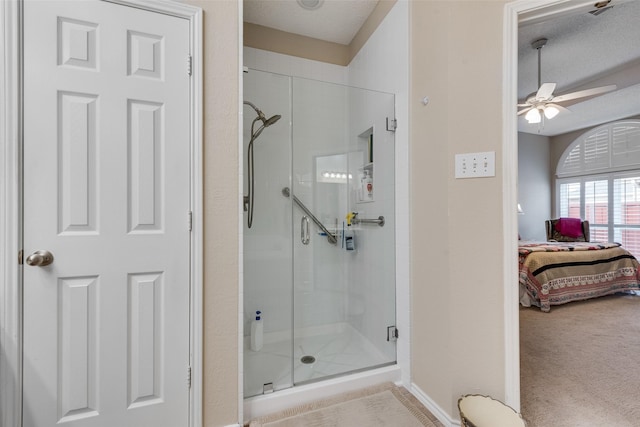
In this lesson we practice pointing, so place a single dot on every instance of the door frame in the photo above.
(11, 122)
(515, 13)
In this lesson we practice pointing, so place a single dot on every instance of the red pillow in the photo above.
(570, 227)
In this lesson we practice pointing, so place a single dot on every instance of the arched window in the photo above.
(598, 179)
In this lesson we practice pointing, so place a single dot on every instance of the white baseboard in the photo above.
(433, 407)
(234, 425)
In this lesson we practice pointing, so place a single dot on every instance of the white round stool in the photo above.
(484, 411)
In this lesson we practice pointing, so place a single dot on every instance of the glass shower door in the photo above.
(267, 261)
(343, 172)
(319, 257)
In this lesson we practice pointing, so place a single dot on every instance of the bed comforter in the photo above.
(553, 273)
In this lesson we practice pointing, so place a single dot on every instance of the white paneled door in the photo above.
(106, 192)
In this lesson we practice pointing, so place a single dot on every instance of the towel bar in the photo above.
(379, 220)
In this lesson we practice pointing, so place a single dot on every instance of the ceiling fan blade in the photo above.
(559, 107)
(524, 105)
(584, 93)
(521, 112)
(546, 91)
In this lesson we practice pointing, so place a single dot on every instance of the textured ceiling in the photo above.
(336, 21)
(584, 51)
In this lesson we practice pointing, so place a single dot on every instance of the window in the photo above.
(626, 212)
(597, 208)
(599, 181)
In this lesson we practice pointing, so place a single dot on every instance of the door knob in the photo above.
(40, 258)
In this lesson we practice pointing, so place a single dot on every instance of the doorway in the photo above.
(517, 12)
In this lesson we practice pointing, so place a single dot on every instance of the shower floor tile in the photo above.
(341, 351)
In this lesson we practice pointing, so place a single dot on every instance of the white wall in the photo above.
(534, 185)
(383, 64)
(371, 267)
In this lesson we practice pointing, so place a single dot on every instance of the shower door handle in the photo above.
(305, 236)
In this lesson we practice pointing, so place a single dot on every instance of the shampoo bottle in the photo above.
(363, 186)
(257, 329)
(368, 186)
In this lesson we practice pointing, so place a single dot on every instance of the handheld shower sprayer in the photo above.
(265, 122)
(248, 199)
(271, 120)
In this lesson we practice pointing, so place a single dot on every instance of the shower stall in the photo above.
(319, 255)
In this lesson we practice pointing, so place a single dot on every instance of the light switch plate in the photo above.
(476, 165)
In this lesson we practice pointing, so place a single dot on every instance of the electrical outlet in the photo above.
(476, 165)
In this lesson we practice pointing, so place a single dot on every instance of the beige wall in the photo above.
(273, 40)
(221, 284)
(457, 290)
(456, 225)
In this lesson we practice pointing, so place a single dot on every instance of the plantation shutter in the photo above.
(596, 151)
(614, 146)
(626, 212)
(596, 201)
(625, 141)
(599, 181)
(570, 200)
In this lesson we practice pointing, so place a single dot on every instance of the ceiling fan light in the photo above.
(533, 116)
(550, 112)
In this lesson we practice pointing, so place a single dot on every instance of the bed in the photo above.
(554, 273)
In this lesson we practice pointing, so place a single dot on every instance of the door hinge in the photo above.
(392, 124)
(392, 333)
(20, 257)
(189, 377)
(189, 64)
(190, 220)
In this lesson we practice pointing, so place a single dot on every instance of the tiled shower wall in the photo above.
(382, 64)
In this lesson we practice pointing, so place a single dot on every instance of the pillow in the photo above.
(570, 227)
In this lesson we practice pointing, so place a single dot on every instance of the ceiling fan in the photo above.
(543, 103)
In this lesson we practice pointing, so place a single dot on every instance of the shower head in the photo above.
(254, 135)
(265, 122)
(271, 120)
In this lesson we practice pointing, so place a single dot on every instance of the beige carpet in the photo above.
(378, 406)
(580, 363)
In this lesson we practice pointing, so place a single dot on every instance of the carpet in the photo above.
(379, 406)
(578, 363)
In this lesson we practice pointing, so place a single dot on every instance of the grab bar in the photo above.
(305, 236)
(330, 236)
(379, 220)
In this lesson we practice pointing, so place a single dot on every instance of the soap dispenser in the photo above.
(257, 330)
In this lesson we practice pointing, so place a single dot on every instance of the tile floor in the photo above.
(337, 350)
(415, 402)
